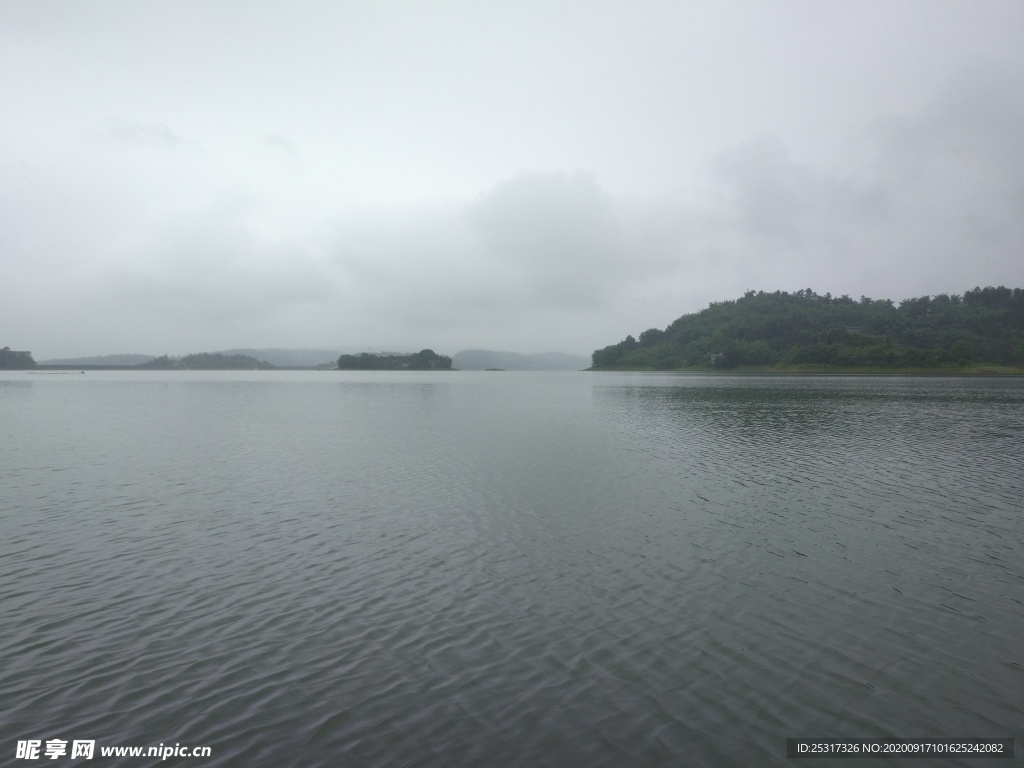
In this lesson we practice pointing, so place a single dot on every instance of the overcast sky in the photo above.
(190, 175)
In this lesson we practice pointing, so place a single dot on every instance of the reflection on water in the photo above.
(526, 569)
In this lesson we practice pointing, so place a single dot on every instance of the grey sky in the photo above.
(183, 175)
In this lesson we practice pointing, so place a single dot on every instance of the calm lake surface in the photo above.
(528, 569)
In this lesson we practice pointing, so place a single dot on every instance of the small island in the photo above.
(979, 332)
(424, 360)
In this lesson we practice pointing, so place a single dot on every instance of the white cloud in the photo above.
(150, 134)
(530, 177)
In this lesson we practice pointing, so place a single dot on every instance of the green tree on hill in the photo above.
(984, 325)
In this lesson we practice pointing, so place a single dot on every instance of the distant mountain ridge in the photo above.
(300, 358)
(467, 359)
(482, 359)
(307, 358)
(215, 361)
(276, 356)
(101, 360)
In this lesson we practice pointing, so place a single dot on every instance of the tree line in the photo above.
(424, 360)
(984, 325)
(12, 358)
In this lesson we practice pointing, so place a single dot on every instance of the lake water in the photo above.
(508, 569)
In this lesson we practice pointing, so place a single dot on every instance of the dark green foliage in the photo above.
(424, 360)
(985, 325)
(207, 361)
(11, 358)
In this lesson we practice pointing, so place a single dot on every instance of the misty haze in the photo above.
(513, 384)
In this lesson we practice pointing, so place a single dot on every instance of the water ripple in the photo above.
(421, 570)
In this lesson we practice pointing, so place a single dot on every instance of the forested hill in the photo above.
(984, 325)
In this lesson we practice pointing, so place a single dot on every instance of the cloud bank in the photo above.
(156, 231)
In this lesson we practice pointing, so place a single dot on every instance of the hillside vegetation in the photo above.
(805, 330)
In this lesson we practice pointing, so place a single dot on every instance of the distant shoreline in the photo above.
(51, 367)
(971, 371)
(824, 370)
